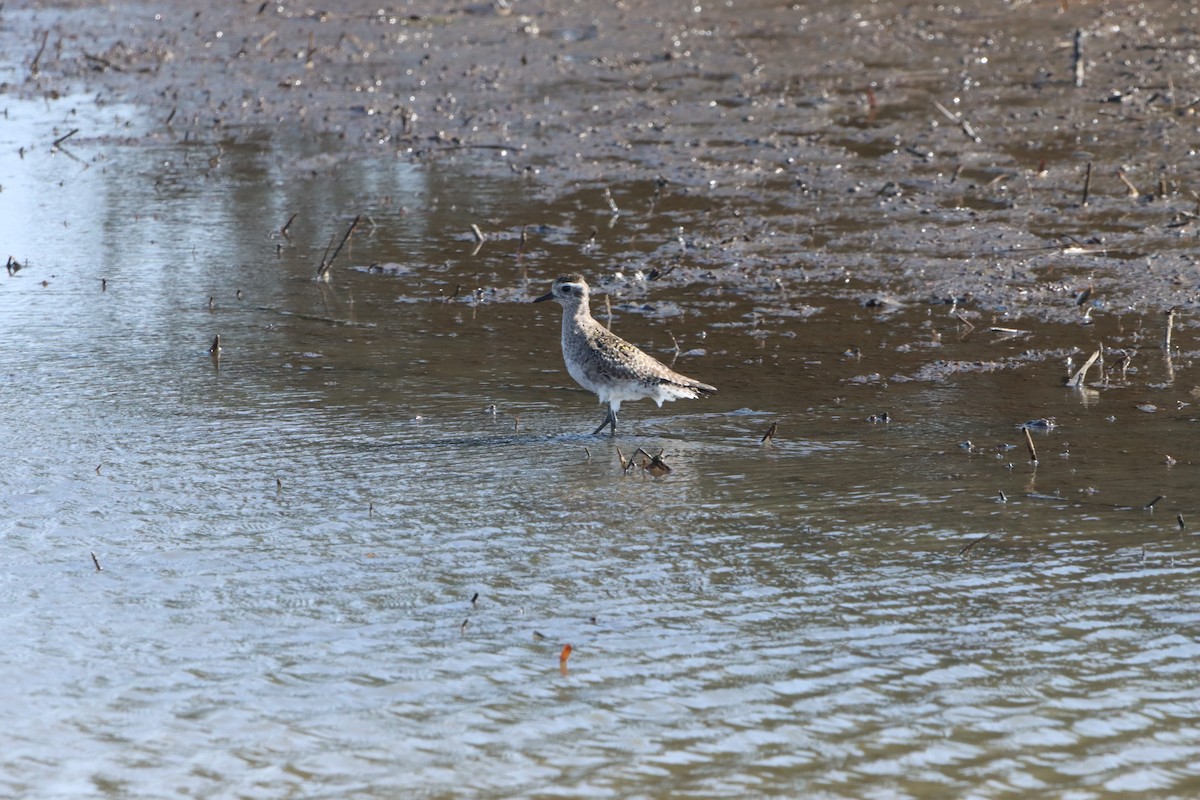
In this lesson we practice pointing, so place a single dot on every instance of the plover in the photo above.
(604, 363)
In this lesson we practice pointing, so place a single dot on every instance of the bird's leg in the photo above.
(609, 419)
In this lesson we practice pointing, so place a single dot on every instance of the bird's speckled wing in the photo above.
(618, 359)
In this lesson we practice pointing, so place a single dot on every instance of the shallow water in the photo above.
(291, 534)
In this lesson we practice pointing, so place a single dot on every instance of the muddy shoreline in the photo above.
(897, 153)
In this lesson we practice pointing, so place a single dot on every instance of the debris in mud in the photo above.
(284, 230)
(770, 434)
(1077, 380)
(327, 260)
(563, 657)
(940, 370)
(1029, 444)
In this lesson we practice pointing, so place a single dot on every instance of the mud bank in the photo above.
(1016, 160)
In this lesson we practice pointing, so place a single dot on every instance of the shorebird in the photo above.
(604, 363)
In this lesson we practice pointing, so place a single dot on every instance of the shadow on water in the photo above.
(344, 557)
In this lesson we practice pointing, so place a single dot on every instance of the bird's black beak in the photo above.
(546, 296)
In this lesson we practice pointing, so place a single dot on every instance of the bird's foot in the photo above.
(610, 421)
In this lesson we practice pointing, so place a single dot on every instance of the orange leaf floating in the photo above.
(566, 653)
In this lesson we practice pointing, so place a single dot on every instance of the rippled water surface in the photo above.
(343, 558)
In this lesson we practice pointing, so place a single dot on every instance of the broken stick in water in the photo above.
(1132, 190)
(33, 65)
(1170, 314)
(1076, 381)
(63, 138)
(1029, 444)
(770, 434)
(967, 547)
(327, 265)
(1077, 56)
(284, 230)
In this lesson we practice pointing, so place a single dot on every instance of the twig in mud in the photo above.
(1182, 218)
(675, 342)
(325, 255)
(284, 230)
(327, 265)
(171, 116)
(1076, 381)
(523, 242)
(625, 465)
(1133, 192)
(216, 346)
(612, 204)
(655, 466)
(96, 561)
(961, 122)
(1179, 520)
(770, 434)
(1170, 315)
(1029, 444)
(1150, 506)
(965, 321)
(33, 65)
(469, 146)
(1123, 363)
(1077, 57)
(608, 311)
(103, 62)
(63, 138)
(967, 547)
(478, 234)
(1087, 184)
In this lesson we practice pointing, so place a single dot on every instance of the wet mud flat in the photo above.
(1019, 178)
(1016, 159)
